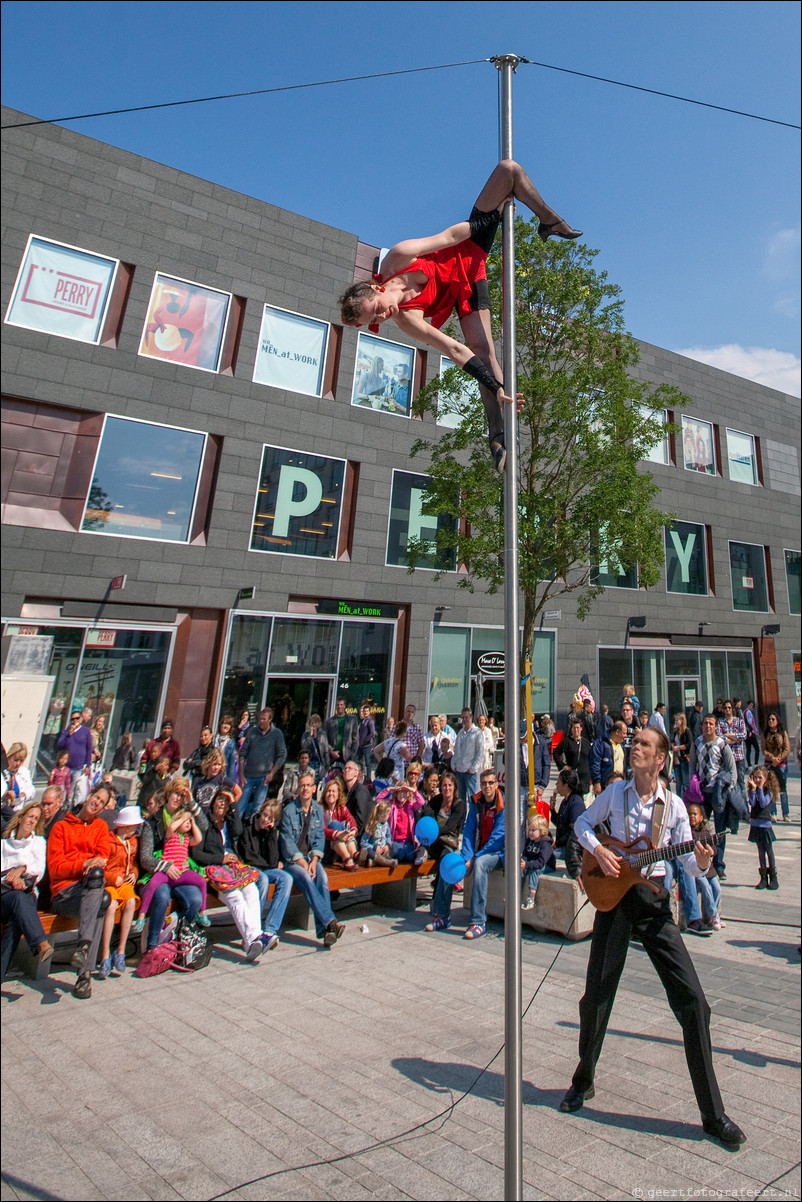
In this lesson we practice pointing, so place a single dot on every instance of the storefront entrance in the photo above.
(683, 692)
(293, 699)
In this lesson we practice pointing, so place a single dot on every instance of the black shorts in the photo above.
(483, 227)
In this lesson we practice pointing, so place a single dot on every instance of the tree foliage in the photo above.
(585, 496)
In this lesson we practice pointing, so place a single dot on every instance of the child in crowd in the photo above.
(374, 846)
(764, 793)
(709, 887)
(402, 824)
(181, 834)
(384, 776)
(537, 856)
(121, 875)
(61, 774)
(339, 825)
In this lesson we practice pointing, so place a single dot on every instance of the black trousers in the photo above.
(89, 906)
(21, 918)
(641, 912)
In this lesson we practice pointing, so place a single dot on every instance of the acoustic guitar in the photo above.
(606, 891)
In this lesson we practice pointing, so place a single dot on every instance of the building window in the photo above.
(611, 573)
(660, 452)
(383, 376)
(686, 559)
(698, 446)
(62, 290)
(750, 587)
(450, 409)
(409, 524)
(292, 352)
(185, 323)
(299, 504)
(145, 481)
(742, 457)
(792, 580)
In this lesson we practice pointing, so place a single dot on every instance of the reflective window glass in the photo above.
(792, 579)
(741, 456)
(365, 660)
(750, 590)
(448, 686)
(243, 685)
(409, 524)
(303, 646)
(615, 670)
(686, 559)
(452, 405)
(659, 453)
(145, 481)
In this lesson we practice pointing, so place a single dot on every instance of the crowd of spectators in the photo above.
(353, 800)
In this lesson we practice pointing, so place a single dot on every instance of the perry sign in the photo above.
(61, 290)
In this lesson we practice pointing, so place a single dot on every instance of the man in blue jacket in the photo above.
(483, 846)
(541, 749)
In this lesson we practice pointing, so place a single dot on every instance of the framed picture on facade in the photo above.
(408, 523)
(299, 504)
(62, 290)
(449, 408)
(697, 446)
(291, 353)
(383, 376)
(185, 323)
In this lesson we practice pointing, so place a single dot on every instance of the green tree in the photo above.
(585, 497)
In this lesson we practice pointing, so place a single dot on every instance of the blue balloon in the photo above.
(426, 831)
(452, 868)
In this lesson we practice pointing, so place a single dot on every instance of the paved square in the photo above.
(357, 1073)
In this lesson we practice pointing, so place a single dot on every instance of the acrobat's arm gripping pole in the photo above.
(513, 1063)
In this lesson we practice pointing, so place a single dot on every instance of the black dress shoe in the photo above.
(726, 1130)
(550, 231)
(575, 1099)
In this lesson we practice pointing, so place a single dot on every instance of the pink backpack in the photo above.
(158, 959)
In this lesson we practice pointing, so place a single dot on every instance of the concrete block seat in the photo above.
(557, 905)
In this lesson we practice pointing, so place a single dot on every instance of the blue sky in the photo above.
(695, 212)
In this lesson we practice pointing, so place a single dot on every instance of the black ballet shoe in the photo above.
(550, 231)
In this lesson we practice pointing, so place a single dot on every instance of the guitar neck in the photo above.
(642, 858)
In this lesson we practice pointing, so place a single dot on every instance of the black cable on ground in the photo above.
(411, 1131)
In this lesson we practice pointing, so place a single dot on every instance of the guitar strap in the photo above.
(660, 815)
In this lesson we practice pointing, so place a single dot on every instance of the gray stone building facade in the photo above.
(181, 409)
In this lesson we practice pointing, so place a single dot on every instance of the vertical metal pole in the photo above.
(513, 1063)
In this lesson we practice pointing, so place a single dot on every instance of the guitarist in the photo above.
(634, 808)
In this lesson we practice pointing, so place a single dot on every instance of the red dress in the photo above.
(451, 275)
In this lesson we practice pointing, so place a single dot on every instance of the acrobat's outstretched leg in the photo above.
(509, 179)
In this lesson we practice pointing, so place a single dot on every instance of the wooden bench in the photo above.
(391, 889)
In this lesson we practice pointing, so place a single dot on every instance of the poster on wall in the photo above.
(61, 290)
(383, 376)
(185, 323)
(291, 353)
(697, 446)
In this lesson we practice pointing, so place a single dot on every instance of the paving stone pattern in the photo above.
(356, 1073)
